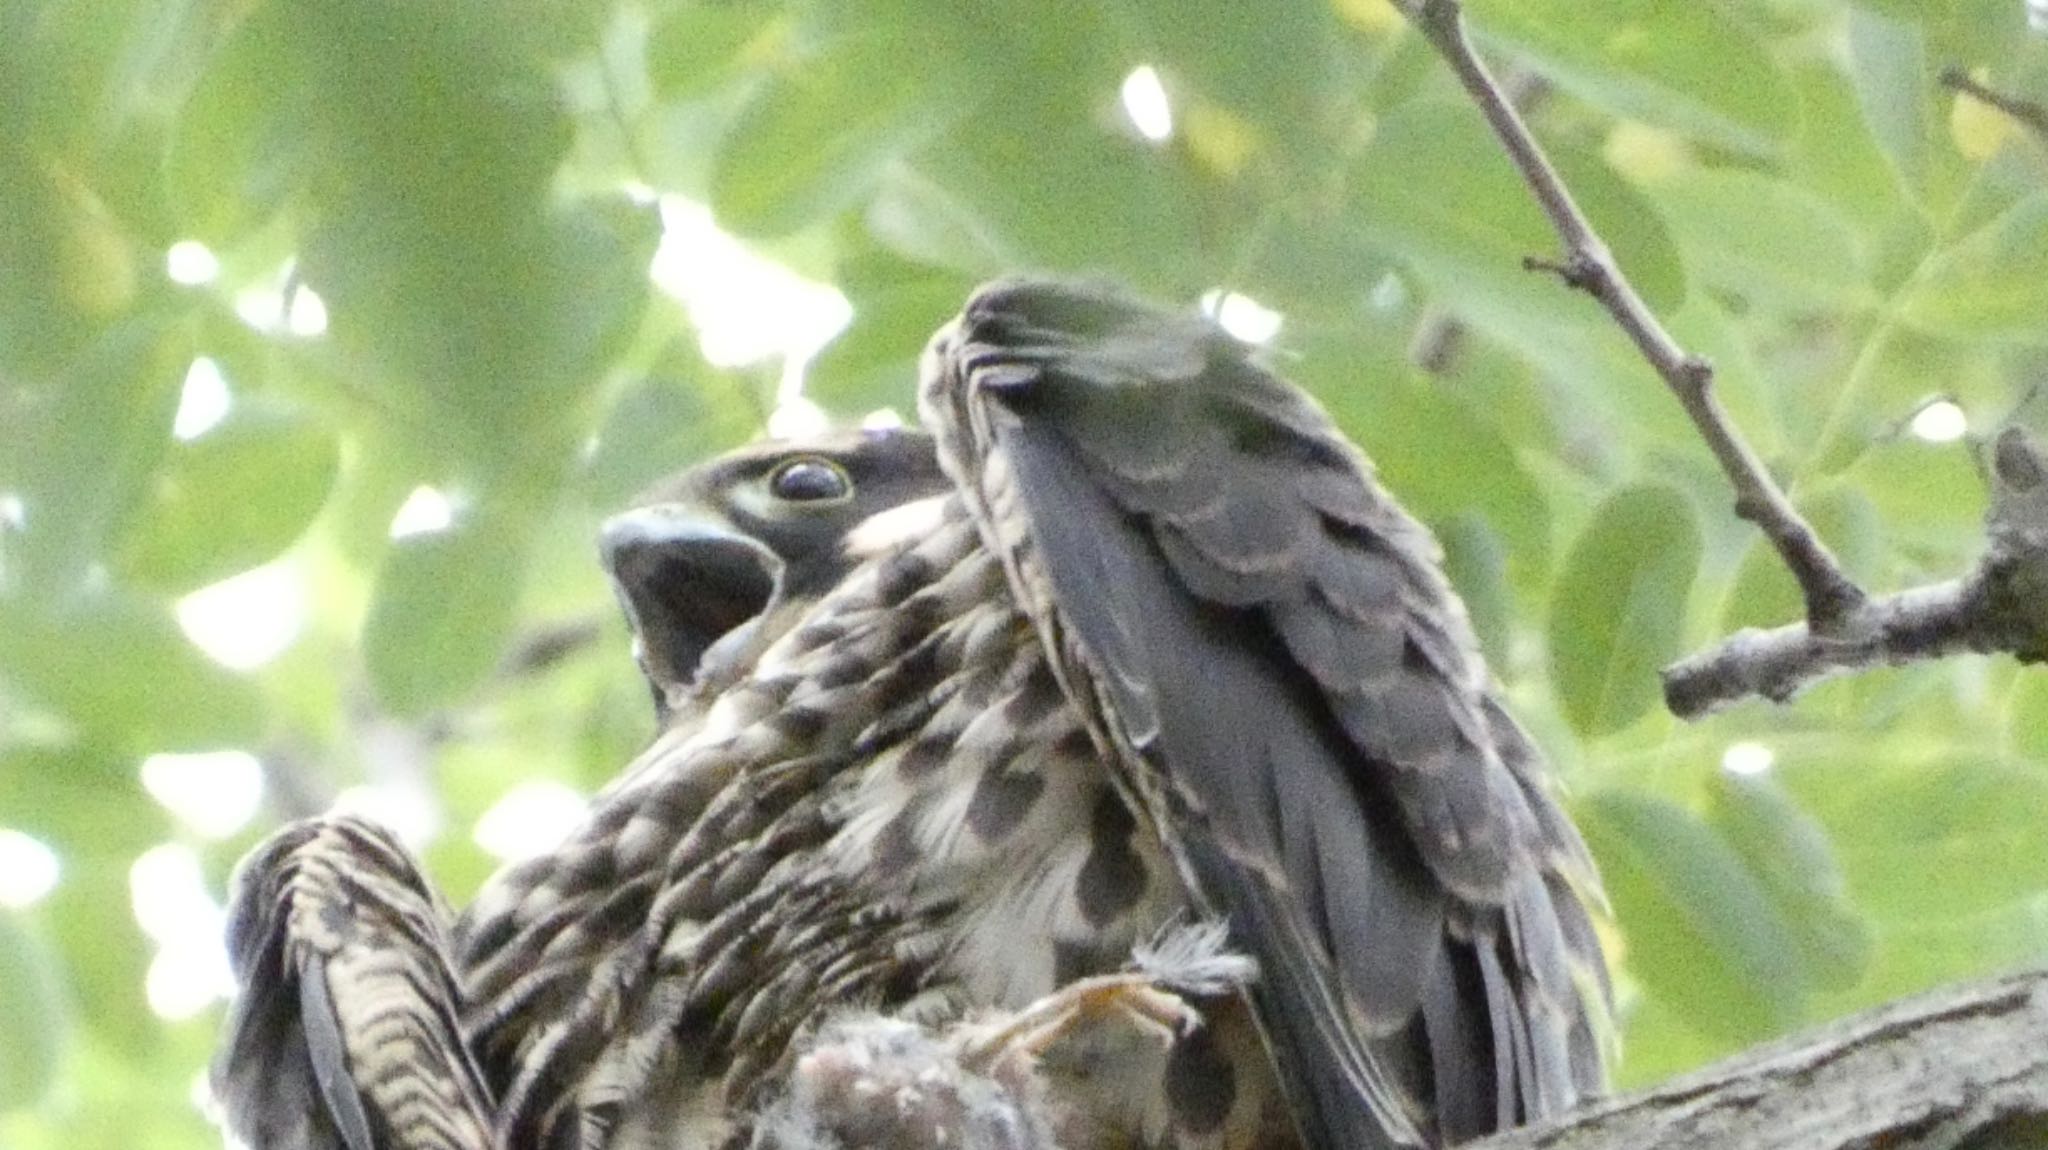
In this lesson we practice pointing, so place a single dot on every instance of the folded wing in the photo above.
(1286, 682)
(345, 1032)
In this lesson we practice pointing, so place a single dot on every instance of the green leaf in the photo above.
(93, 904)
(1792, 857)
(1272, 64)
(62, 795)
(1477, 565)
(1835, 152)
(1928, 495)
(1983, 31)
(1436, 188)
(231, 499)
(1889, 69)
(1764, 238)
(241, 137)
(491, 340)
(873, 364)
(456, 288)
(819, 134)
(1703, 935)
(589, 300)
(1618, 609)
(1694, 67)
(2026, 732)
(1930, 840)
(1435, 191)
(1045, 187)
(698, 48)
(1992, 284)
(117, 668)
(90, 440)
(443, 608)
(35, 1027)
(1657, 1044)
(920, 220)
(663, 423)
(78, 69)
(1918, 956)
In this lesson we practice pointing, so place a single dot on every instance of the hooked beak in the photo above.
(686, 581)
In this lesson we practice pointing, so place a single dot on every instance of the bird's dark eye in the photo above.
(810, 480)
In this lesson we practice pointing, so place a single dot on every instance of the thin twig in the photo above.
(1833, 600)
(2032, 115)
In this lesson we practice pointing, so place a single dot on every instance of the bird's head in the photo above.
(715, 563)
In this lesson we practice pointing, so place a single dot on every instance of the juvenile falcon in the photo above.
(1160, 647)
(1166, 647)
(348, 1031)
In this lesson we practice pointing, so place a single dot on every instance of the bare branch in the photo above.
(1965, 1066)
(1923, 623)
(1832, 599)
(1993, 608)
(2033, 116)
(2001, 605)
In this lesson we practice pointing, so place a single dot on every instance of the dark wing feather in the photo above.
(344, 1034)
(1263, 639)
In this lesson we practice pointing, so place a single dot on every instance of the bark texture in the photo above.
(1962, 1068)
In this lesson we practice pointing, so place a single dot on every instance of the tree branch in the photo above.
(1963, 1066)
(2032, 116)
(2000, 606)
(1997, 607)
(1832, 598)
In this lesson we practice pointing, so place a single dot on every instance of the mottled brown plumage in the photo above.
(341, 950)
(848, 826)
(349, 1018)
(1141, 641)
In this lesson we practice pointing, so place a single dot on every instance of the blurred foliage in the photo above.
(465, 185)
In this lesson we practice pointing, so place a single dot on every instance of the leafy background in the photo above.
(432, 226)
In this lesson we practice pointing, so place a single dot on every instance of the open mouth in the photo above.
(685, 582)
